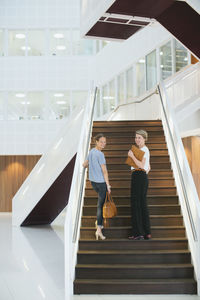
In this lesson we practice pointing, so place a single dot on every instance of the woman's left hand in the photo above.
(130, 154)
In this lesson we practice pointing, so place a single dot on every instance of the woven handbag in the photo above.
(109, 207)
(138, 154)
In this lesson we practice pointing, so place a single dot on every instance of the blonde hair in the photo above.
(143, 133)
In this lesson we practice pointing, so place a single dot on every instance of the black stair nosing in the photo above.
(152, 240)
(126, 216)
(134, 266)
(127, 205)
(125, 179)
(148, 196)
(150, 187)
(130, 227)
(136, 252)
(136, 281)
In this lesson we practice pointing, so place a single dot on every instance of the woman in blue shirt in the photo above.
(98, 176)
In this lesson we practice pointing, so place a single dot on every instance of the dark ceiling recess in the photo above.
(124, 18)
(113, 30)
(184, 23)
(142, 8)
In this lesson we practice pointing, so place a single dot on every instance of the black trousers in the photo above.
(101, 190)
(139, 208)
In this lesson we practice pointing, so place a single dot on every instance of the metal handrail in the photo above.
(179, 170)
(132, 101)
(75, 232)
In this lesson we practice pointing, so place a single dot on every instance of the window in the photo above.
(1, 106)
(60, 42)
(98, 104)
(105, 98)
(59, 105)
(78, 98)
(81, 46)
(181, 56)
(140, 77)
(35, 106)
(17, 43)
(17, 105)
(36, 42)
(112, 95)
(151, 70)
(165, 60)
(129, 84)
(120, 83)
(1, 43)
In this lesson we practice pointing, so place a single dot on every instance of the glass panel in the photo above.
(97, 105)
(1, 43)
(17, 105)
(35, 105)
(166, 60)
(129, 84)
(36, 42)
(151, 70)
(1, 106)
(140, 77)
(105, 98)
(112, 94)
(120, 82)
(17, 43)
(60, 42)
(59, 105)
(79, 98)
(181, 56)
(81, 46)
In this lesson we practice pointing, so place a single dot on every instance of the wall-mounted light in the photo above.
(24, 48)
(142, 61)
(25, 102)
(60, 102)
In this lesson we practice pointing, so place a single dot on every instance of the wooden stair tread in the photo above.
(127, 227)
(126, 216)
(135, 281)
(150, 205)
(143, 252)
(134, 266)
(129, 241)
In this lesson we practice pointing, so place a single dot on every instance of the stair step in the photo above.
(173, 209)
(127, 138)
(133, 271)
(127, 123)
(135, 286)
(121, 244)
(129, 132)
(126, 182)
(156, 173)
(125, 231)
(133, 257)
(124, 145)
(163, 220)
(122, 166)
(165, 190)
(151, 199)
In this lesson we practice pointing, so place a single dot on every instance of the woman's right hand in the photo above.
(109, 188)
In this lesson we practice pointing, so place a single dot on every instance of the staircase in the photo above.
(117, 265)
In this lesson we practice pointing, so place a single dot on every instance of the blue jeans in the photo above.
(101, 190)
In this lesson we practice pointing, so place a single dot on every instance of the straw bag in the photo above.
(109, 208)
(138, 154)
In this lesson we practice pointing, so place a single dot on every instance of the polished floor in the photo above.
(32, 265)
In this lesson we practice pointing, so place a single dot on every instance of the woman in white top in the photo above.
(139, 186)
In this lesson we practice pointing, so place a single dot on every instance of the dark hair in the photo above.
(98, 136)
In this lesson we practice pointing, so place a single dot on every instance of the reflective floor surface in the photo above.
(32, 265)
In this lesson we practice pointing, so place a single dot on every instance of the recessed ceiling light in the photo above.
(20, 36)
(161, 66)
(185, 59)
(161, 53)
(20, 95)
(61, 47)
(60, 102)
(25, 102)
(59, 95)
(142, 61)
(59, 35)
(108, 97)
(26, 48)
